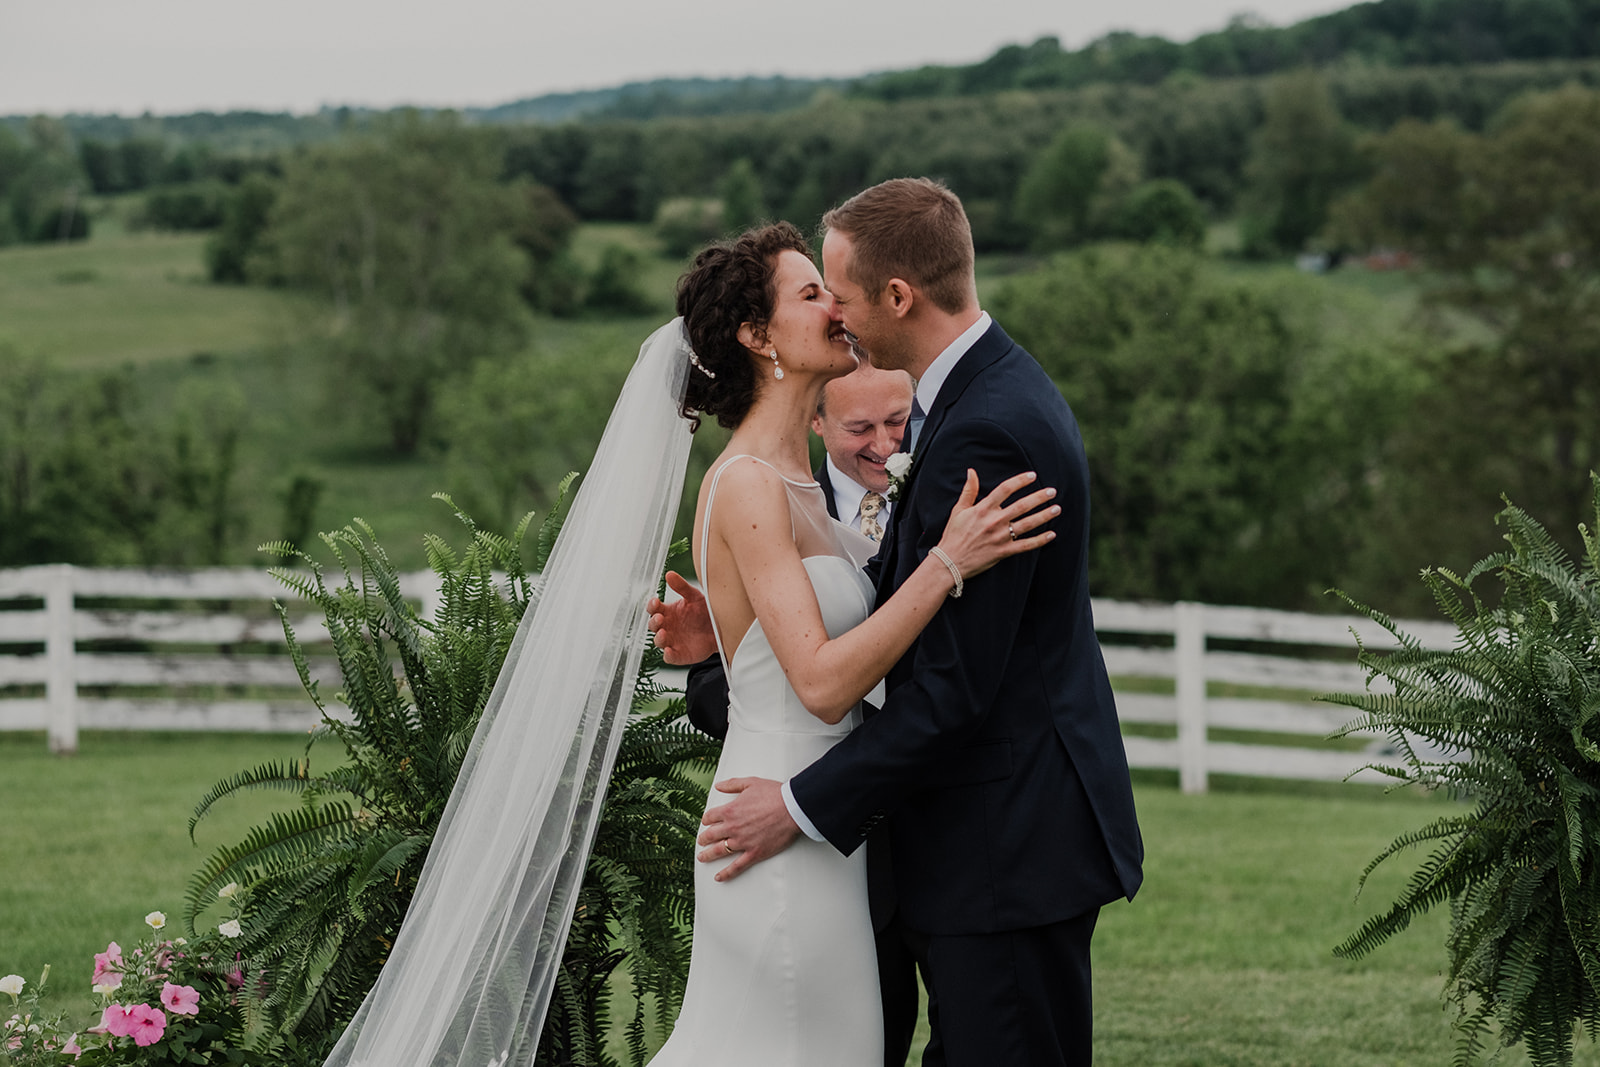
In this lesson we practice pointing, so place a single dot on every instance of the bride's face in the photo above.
(806, 327)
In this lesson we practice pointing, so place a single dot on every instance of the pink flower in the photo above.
(148, 1025)
(71, 1047)
(108, 965)
(180, 999)
(118, 1020)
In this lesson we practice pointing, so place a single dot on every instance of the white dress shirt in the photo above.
(928, 387)
(847, 496)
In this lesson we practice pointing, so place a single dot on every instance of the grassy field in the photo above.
(1224, 958)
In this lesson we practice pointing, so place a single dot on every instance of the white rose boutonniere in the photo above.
(897, 466)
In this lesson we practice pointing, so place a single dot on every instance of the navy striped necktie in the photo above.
(914, 427)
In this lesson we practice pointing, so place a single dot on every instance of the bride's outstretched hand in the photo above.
(682, 629)
(981, 533)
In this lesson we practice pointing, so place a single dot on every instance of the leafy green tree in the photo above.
(742, 202)
(1302, 157)
(615, 285)
(89, 475)
(186, 206)
(1059, 188)
(543, 227)
(1072, 190)
(515, 426)
(684, 224)
(1231, 436)
(1162, 211)
(232, 252)
(405, 235)
(45, 190)
(1507, 223)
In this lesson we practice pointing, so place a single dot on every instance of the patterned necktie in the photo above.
(871, 508)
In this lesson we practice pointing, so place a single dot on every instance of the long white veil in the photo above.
(474, 966)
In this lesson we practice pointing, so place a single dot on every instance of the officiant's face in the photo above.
(861, 421)
(805, 326)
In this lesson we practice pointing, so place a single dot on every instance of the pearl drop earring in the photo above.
(777, 371)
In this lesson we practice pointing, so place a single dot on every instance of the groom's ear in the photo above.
(899, 297)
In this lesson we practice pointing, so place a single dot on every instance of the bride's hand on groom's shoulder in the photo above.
(981, 533)
(681, 629)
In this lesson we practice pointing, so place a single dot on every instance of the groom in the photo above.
(993, 781)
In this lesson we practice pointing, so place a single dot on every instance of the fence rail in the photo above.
(202, 650)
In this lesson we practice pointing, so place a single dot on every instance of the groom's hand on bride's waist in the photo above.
(682, 629)
(753, 826)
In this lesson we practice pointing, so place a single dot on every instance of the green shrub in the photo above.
(1510, 717)
(684, 224)
(328, 885)
(614, 286)
(189, 206)
(1163, 212)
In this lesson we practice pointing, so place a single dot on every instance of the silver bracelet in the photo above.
(948, 562)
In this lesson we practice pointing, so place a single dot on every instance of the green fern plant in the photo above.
(1516, 703)
(328, 883)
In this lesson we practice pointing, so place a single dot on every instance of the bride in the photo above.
(782, 970)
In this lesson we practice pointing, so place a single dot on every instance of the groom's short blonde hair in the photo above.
(909, 228)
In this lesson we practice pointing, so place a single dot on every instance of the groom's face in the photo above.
(870, 320)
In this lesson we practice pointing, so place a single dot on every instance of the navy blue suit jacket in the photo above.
(996, 764)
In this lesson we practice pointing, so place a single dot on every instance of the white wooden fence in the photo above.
(206, 642)
(202, 650)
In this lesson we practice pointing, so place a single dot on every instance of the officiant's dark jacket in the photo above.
(996, 764)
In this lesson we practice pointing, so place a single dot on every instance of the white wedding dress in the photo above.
(783, 971)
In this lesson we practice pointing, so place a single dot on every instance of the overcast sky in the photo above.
(173, 56)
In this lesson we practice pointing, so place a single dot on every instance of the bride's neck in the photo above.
(778, 425)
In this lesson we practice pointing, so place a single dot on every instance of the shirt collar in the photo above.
(847, 494)
(933, 378)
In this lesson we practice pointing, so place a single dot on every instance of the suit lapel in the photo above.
(984, 352)
(821, 475)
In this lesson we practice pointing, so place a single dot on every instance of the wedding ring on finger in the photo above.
(726, 847)
(1013, 531)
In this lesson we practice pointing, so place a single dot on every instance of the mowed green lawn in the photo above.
(1224, 958)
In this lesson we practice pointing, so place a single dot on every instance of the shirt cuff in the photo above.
(807, 827)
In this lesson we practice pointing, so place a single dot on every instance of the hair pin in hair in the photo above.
(701, 367)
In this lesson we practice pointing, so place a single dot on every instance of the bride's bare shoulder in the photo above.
(747, 491)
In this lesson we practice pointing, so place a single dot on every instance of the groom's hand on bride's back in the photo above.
(682, 629)
(753, 826)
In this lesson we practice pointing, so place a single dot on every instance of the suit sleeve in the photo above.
(957, 665)
(706, 695)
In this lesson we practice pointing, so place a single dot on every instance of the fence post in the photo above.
(61, 686)
(1189, 641)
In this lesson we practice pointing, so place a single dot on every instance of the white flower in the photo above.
(180, 941)
(227, 891)
(230, 928)
(898, 464)
(105, 989)
(12, 984)
(155, 920)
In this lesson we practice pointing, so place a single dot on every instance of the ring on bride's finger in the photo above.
(1013, 531)
(727, 847)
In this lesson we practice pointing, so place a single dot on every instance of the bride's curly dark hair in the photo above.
(730, 283)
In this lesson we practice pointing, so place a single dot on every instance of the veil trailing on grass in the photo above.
(472, 970)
